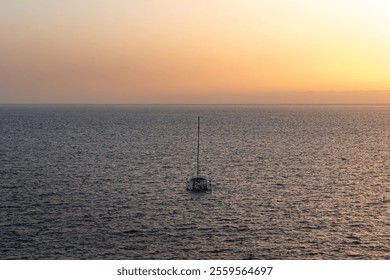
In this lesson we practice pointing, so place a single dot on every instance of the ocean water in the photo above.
(108, 182)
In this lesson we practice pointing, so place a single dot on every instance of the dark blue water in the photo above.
(108, 182)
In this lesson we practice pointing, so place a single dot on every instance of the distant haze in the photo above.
(179, 51)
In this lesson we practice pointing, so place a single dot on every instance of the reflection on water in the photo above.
(106, 182)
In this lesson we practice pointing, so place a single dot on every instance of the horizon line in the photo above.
(198, 104)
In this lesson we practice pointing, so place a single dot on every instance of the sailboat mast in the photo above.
(197, 158)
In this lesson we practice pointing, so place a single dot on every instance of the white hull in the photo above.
(199, 184)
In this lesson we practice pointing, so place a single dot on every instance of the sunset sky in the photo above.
(181, 51)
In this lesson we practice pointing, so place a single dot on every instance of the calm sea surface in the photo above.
(108, 182)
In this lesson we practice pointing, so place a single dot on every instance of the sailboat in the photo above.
(198, 182)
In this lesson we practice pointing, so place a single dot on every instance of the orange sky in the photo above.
(178, 51)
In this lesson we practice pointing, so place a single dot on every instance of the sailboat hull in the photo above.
(199, 184)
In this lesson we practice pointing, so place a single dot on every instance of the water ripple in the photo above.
(107, 182)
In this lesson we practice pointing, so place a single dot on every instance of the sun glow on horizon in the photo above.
(185, 51)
